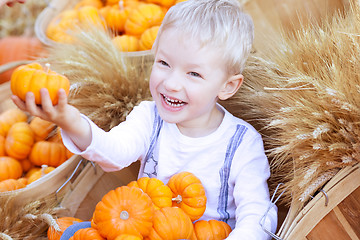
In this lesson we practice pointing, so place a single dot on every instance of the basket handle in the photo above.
(13, 64)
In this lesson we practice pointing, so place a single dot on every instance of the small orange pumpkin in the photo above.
(148, 37)
(87, 234)
(126, 43)
(64, 223)
(115, 18)
(95, 3)
(188, 194)
(143, 17)
(19, 140)
(125, 210)
(9, 117)
(49, 153)
(40, 173)
(32, 77)
(164, 3)
(9, 168)
(159, 193)
(90, 16)
(41, 128)
(10, 185)
(212, 229)
(26, 164)
(171, 223)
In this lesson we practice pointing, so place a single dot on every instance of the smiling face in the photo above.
(186, 81)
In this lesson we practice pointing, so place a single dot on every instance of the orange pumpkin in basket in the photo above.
(9, 117)
(32, 77)
(115, 18)
(37, 174)
(125, 210)
(87, 234)
(63, 223)
(9, 168)
(16, 48)
(148, 37)
(19, 140)
(126, 43)
(212, 229)
(2, 145)
(26, 164)
(90, 16)
(159, 193)
(143, 17)
(49, 153)
(41, 128)
(95, 3)
(188, 194)
(11, 184)
(171, 223)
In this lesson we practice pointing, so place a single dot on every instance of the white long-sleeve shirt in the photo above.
(230, 163)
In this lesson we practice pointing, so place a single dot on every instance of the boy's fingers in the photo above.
(62, 99)
(18, 102)
(30, 104)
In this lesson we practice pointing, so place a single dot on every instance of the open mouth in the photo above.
(173, 102)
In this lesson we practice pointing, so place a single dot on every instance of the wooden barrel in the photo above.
(333, 214)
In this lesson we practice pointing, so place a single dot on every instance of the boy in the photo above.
(200, 52)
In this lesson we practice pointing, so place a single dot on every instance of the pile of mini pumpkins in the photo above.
(151, 210)
(29, 148)
(133, 23)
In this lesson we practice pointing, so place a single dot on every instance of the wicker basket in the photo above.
(334, 213)
(53, 183)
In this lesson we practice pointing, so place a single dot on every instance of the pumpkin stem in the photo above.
(121, 4)
(178, 199)
(124, 215)
(47, 65)
(43, 168)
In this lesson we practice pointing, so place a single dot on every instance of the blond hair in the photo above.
(220, 24)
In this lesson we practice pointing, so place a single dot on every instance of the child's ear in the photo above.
(231, 86)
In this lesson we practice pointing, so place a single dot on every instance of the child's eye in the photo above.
(162, 62)
(195, 74)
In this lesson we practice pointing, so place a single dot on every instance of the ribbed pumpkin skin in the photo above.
(87, 234)
(148, 37)
(126, 43)
(2, 145)
(164, 3)
(191, 193)
(115, 18)
(19, 140)
(159, 193)
(10, 185)
(9, 168)
(212, 229)
(41, 128)
(48, 153)
(64, 223)
(110, 213)
(40, 173)
(171, 223)
(9, 117)
(128, 237)
(32, 77)
(142, 18)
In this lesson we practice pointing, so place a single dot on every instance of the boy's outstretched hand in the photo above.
(67, 117)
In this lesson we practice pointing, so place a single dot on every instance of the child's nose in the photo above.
(173, 82)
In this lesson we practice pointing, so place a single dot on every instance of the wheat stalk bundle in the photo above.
(28, 221)
(304, 96)
(106, 83)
